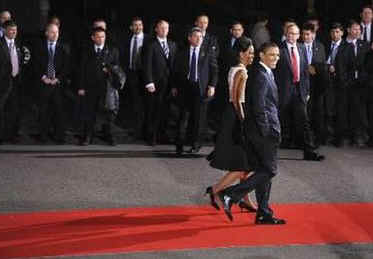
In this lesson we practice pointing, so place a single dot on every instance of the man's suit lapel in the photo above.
(160, 49)
(287, 56)
(201, 58)
(302, 63)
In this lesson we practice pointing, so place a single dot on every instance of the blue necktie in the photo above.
(192, 74)
(309, 51)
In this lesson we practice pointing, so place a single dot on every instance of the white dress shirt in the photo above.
(101, 47)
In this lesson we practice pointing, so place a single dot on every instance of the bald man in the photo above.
(51, 68)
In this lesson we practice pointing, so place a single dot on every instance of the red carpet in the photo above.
(91, 232)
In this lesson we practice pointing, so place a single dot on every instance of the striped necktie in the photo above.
(165, 49)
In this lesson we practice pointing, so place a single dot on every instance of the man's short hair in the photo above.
(352, 22)
(336, 25)
(367, 6)
(96, 30)
(236, 22)
(193, 30)
(201, 15)
(308, 27)
(267, 45)
(10, 23)
(47, 27)
(136, 18)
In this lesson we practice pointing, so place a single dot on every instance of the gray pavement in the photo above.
(35, 178)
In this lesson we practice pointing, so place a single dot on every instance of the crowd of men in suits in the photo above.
(325, 80)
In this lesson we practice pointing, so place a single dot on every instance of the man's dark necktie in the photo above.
(50, 69)
(193, 63)
(294, 66)
(333, 53)
(134, 53)
(365, 34)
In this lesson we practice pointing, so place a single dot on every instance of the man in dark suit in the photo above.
(336, 70)
(51, 66)
(194, 79)
(317, 69)
(209, 41)
(158, 65)
(264, 133)
(132, 59)
(279, 35)
(292, 77)
(10, 83)
(366, 23)
(369, 93)
(226, 60)
(356, 82)
(95, 71)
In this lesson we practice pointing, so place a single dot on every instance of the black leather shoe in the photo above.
(313, 156)
(112, 142)
(194, 150)
(86, 141)
(43, 139)
(245, 206)
(227, 205)
(61, 141)
(262, 220)
(180, 150)
(212, 198)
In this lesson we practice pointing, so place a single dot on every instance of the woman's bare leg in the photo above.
(227, 180)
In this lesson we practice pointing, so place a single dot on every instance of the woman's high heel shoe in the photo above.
(213, 203)
(245, 206)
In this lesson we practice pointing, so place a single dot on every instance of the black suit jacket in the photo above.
(262, 102)
(210, 43)
(342, 62)
(363, 48)
(157, 67)
(319, 63)
(284, 74)
(348, 63)
(6, 65)
(125, 52)
(92, 77)
(207, 71)
(61, 61)
(227, 57)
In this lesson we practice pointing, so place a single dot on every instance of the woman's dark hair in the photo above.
(243, 44)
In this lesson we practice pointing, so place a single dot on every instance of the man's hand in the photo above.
(46, 80)
(81, 92)
(174, 92)
(211, 91)
(151, 89)
(312, 70)
(55, 81)
(332, 69)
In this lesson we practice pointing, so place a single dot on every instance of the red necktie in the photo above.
(294, 66)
